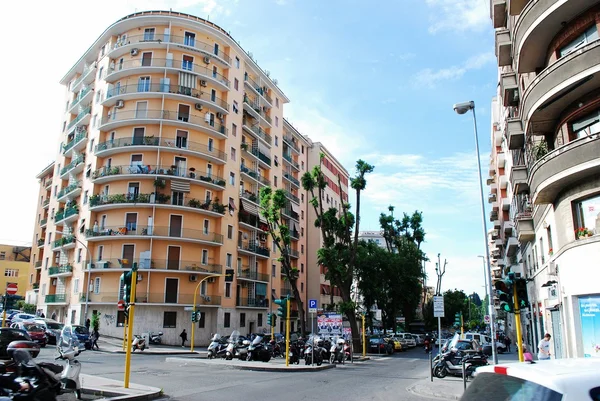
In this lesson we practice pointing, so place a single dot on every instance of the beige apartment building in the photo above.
(545, 166)
(170, 130)
(14, 268)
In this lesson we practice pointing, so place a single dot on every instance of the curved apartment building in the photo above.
(548, 123)
(170, 131)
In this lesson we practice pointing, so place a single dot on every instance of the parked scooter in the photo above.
(231, 344)
(451, 363)
(217, 347)
(41, 385)
(155, 338)
(312, 348)
(138, 342)
(257, 351)
(336, 352)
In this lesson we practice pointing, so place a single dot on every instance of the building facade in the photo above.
(14, 268)
(546, 116)
(335, 192)
(170, 130)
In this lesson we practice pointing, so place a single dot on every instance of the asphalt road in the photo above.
(382, 378)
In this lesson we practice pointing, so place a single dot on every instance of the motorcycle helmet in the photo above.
(341, 341)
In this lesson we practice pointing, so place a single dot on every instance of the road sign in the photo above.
(487, 319)
(438, 306)
(121, 305)
(12, 288)
(312, 306)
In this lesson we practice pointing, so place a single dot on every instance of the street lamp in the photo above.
(462, 108)
(89, 274)
(484, 275)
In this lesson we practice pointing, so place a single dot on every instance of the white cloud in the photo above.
(458, 15)
(429, 77)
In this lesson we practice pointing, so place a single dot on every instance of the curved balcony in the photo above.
(84, 97)
(116, 173)
(139, 66)
(60, 271)
(128, 145)
(75, 167)
(559, 85)
(76, 144)
(564, 166)
(83, 118)
(182, 266)
(66, 242)
(66, 216)
(149, 91)
(144, 232)
(118, 201)
(70, 192)
(143, 298)
(157, 40)
(169, 117)
(537, 26)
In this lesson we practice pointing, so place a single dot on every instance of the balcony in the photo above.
(155, 40)
(492, 197)
(252, 107)
(559, 85)
(87, 77)
(512, 246)
(503, 47)
(183, 266)
(263, 159)
(256, 88)
(128, 200)
(69, 192)
(56, 299)
(41, 243)
(171, 145)
(291, 196)
(291, 162)
(247, 274)
(66, 242)
(60, 271)
(136, 231)
(148, 91)
(286, 290)
(294, 254)
(255, 130)
(516, 6)
(83, 118)
(84, 97)
(67, 215)
(509, 88)
(244, 302)
(516, 136)
(499, 13)
(145, 66)
(289, 140)
(576, 161)
(254, 248)
(521, 212)
(75, 167)
(76, 144)
(117, 173)
(495, 234)
(518, 172)
(46, 204)
(505, 203)
(43, 223)
(35, 286)
(294, 181)
(508, 227)
(254, 175)
(291, 211)
(168, 117)
(252, 222)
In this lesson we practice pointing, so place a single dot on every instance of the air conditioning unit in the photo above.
(193, 278)
(134, 52)
(206, 60)
(198, 106)
(211, 280)
(202, 82)
(53, 281)
(219, 115)
(120, 104)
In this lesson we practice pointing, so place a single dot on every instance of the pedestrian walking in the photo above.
(95, 337)
(183, 336)
(507, 342)
(88, 323)
(53, 317)
(544, 348)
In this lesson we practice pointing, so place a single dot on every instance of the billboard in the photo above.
(589, 308)
(329, 324)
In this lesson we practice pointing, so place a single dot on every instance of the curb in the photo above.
(431, 394)
(265, 368)
(114, 396)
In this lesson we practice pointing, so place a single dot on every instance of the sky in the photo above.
(370, 80)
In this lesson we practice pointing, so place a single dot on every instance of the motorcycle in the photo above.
(231, 344)
(312, 348)
(427, 346)
(155, 338)
(40, 385)
(216, 347)
(277, 348)
(294, 353)
(336, 352)
(257, 351)
(451, 363)
(347, 351)
(138, 343)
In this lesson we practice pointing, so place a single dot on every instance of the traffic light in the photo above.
(504, 289)
(229, 275)
(271, 318)
(193, 317)
(196, 316)
(522, 297)
(126, 281)
(282, 309)
(457, 319)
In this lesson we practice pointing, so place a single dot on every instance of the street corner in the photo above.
(273, 366)
(109, 389)
(445, 389)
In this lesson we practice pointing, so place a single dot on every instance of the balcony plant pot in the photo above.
(244, 146)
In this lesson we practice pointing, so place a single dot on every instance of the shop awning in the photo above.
(249, 207)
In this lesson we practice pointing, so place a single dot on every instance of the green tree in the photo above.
(271, 204)
(455, 301)
(339, 250)
(25, 307)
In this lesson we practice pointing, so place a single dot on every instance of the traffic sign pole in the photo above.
(4, 311)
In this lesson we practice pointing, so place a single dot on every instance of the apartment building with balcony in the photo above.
(170, 130)
(336, 191)
(14, 268)
(548, 111)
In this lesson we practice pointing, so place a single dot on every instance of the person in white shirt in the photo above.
(544, 348)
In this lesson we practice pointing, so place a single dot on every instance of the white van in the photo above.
(407, 339)
(483, 340)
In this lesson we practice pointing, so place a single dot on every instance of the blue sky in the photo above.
(371, 80)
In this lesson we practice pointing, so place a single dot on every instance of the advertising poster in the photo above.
(589, 308)
(329, 324)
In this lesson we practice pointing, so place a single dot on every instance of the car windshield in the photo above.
(34, 328)
(55, 326)
(80, 330)
(495, 387)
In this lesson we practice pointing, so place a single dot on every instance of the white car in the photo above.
(408, 339)
(554, 380)
(419, 339)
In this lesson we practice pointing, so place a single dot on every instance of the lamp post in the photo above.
(89, 273)
(462, 108)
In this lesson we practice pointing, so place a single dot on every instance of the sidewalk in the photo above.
(114, 390)
(274, 365)
(115, 345)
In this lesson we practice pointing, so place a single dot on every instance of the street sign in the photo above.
(121, 305)
(188, 308)
(12, 288)
(487, 319)
(312, 306)
(438, 306)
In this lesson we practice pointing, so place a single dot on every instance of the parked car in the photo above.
(408, 339)
(51, 327)
(35, 331)
(20, 316)
(485, 342)
(18, 339)
(395, 342)
(83, 335)
(558, 379)
(463, 345)
(378, 345)
(419, 339)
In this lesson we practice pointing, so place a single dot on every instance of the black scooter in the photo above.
(40, 385)
(451, 363)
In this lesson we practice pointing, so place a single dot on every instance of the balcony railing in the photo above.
(170, 171)
(251, 196)
(56, 298)
(288, 139)
(66, 213)
(80, 116)
(291, 161)
(255, 175)
(35, 286)
(72, 187)
(292, 196)
(169, 63)
(163, 88)
(252, 302)
(38, 264)
(66, 240)
(261, 156)
(293, 253)
(55, 270)
(43, 222)
(253, 246)
(46, 203)
(41, 242)
(153, 199)
(169, 115)
(257, 131)
(85, 72)
(287, 290)
(290, 178)
(139, 230)
(158, 264)
(81, 95)
(74, 163)
(78, 138)
(165, 142)
(252, 275)
(252, 220)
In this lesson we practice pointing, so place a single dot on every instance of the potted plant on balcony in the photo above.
(540, 150)
(218, 207)
(583, 232)
(244, 146)
(194, 203)
(159, 183)
(192, 172)
(149, 140)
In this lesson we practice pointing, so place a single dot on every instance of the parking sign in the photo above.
(312, 306)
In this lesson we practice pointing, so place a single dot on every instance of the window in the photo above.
(206, 226)
(549, 235)
(275, 180)
(276, 138)
(100, 252)
(302, 249)
(170, 320)
(587, 37)
(586, 213)
(228, 260)
(187, 63)
(204, 259)
(260, 319)
(301, 267)
(302, 287)
(235, 107)
(302, 149)
(227, 290)
(189, 39)
(242, 319)
(273, 269)
(277, 102)
(542, 253)
(232, 178)
(76, 286)
(588, 125)
(232, 153)
(227, 319)
(97, 285)
(177, 198)
(11, 273)
(102, 51)
(236, 83)
(149, 34)
(302, 231)
(276, 121)
(302, 164)
(202, 321)
(143, 84)
(229, 231)
(237, 62)
(233, 129)
(79, 255)
(100, 71)
(2, 255)
(85, 197)
(302, 197)
(95, 121)
(302, 213)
